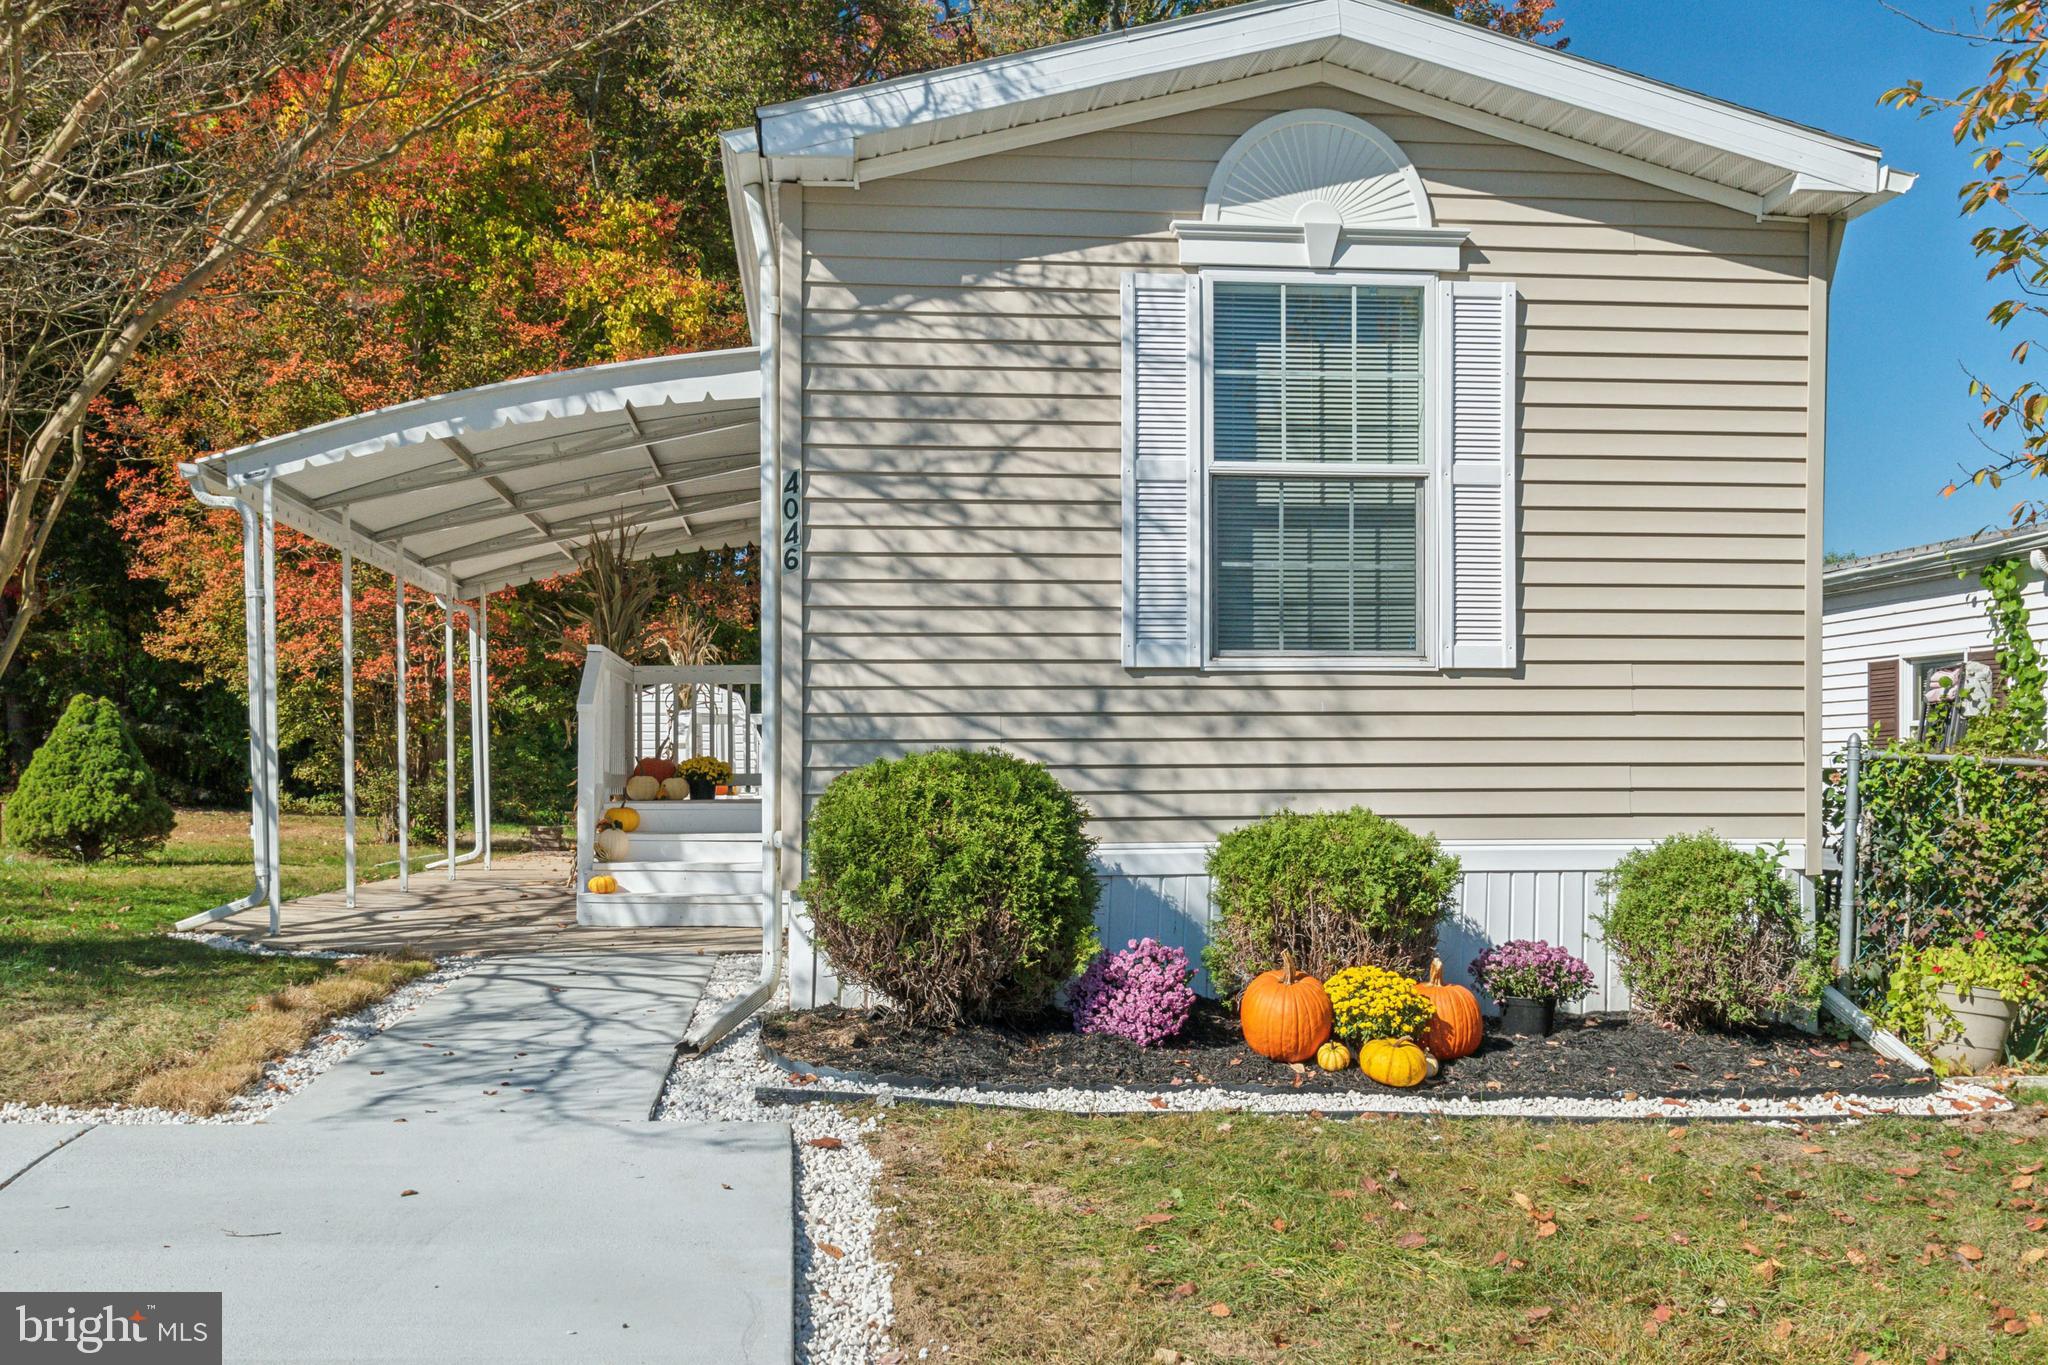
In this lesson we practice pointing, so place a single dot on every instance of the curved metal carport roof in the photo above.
(469, 492)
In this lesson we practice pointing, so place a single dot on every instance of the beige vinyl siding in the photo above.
(961, 425)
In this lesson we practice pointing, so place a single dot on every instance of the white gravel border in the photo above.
(844, 1307)
(285, 1077)
(843, 1302)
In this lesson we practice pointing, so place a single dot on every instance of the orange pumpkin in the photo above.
(660, 769)
(1286, 1014)
(1457, 1028)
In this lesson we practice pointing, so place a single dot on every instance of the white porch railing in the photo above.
(625, 713)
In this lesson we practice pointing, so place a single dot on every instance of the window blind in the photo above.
(1323, 566)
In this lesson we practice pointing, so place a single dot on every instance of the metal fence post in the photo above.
(1852, 817)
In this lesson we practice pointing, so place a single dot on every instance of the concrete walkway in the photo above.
(481, 1182)
(525, 903)
(582, 1037)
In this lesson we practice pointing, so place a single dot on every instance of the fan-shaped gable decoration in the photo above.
(1318, 188)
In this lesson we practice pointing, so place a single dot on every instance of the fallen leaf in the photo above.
(1409, 1241)
(2023, 1182)
(1781, 1330)
(1184, 1290)
(1752, 1248)
(1855, 1256)
(1156, 1102)
(1524, 1202)
(1279, 1225)
(1546, 1228)
(1812, 1150)
(1767, 1269)
(827, 1144)
(1903, 1172)
(1538, 1314)
(2034, 1255)
(407, 1194)
(1154, 1219)
(1970, 1253)
(834, 1252)
(1219, 1310)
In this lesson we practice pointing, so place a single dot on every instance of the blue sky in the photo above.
(1910, 296)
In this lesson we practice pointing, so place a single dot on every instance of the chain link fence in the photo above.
(1932, 847)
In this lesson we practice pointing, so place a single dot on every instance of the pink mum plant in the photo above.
(1140, 993)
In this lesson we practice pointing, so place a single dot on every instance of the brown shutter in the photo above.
(1988, 656)
(1884, 700)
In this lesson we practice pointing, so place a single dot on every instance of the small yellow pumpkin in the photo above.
(604, 885)
(1333, 1056)
(625, 817)
(642, 788)
(1394, 1061)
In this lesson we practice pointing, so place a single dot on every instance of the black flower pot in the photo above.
(1523, 1018)
(702, 788)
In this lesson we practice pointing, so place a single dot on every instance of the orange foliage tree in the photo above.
(478, 254)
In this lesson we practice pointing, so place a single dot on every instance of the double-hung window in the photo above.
(1319, 469)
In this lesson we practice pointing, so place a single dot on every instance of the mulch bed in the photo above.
(1602, 1056)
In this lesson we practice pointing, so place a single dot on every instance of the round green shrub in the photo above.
(87, 793)
(1708, 936)
(1340, 889)
(956, 883)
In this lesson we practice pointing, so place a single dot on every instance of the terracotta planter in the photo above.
(702, 789)
(1985, 1018)
(1525, 1018)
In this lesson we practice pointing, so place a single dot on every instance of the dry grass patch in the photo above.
(275, 1026)
(1060, 1238)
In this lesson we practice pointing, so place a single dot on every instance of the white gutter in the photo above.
(253, 614)
(768, 337)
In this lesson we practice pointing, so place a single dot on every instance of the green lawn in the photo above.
(98, 1006)
(1020, 1237)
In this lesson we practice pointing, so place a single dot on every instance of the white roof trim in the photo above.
(840, 137)
(483, 489)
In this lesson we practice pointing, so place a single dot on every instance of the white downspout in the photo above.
(348, 720)
(398, 674)
(252, 607)
(769, 295)
(272, 762)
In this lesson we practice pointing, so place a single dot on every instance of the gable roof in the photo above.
(1553, 100)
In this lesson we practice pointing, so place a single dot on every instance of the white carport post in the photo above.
(252, 632)
(483, 692)
(404, 815)
(448, 724)
(348, 722)
(478, 816)
(273, 793)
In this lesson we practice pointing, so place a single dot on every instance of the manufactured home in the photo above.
(1304, 404)
(1896, 624)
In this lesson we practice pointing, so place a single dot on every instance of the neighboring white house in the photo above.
(1301, 404)
(1893, 621)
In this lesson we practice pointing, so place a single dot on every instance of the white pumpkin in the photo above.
(613, 845)
(642, 788)
(676, 789)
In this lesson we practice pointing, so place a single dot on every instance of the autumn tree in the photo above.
(146, 147)
(479, 252)
(2003, 120)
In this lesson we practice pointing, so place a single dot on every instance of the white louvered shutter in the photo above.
(1160, 594)
(1480, 630)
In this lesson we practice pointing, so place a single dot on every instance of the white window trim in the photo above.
(1432, 502)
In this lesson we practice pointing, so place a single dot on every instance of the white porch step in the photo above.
(741, 878)
(727, 815)
(643, 910)
(660, 847)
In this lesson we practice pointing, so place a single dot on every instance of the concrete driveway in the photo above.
(480, 1183)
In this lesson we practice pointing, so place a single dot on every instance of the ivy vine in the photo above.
(2022, 709)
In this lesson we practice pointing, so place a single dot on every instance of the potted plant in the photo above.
(704, 773)
(1962, 998)
(1529, 977)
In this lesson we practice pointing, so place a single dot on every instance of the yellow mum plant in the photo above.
(1372, 1003)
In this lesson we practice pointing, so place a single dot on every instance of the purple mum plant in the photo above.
(1140, 993)
(1530, 969)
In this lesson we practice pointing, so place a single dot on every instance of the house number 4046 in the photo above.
(793, 523)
